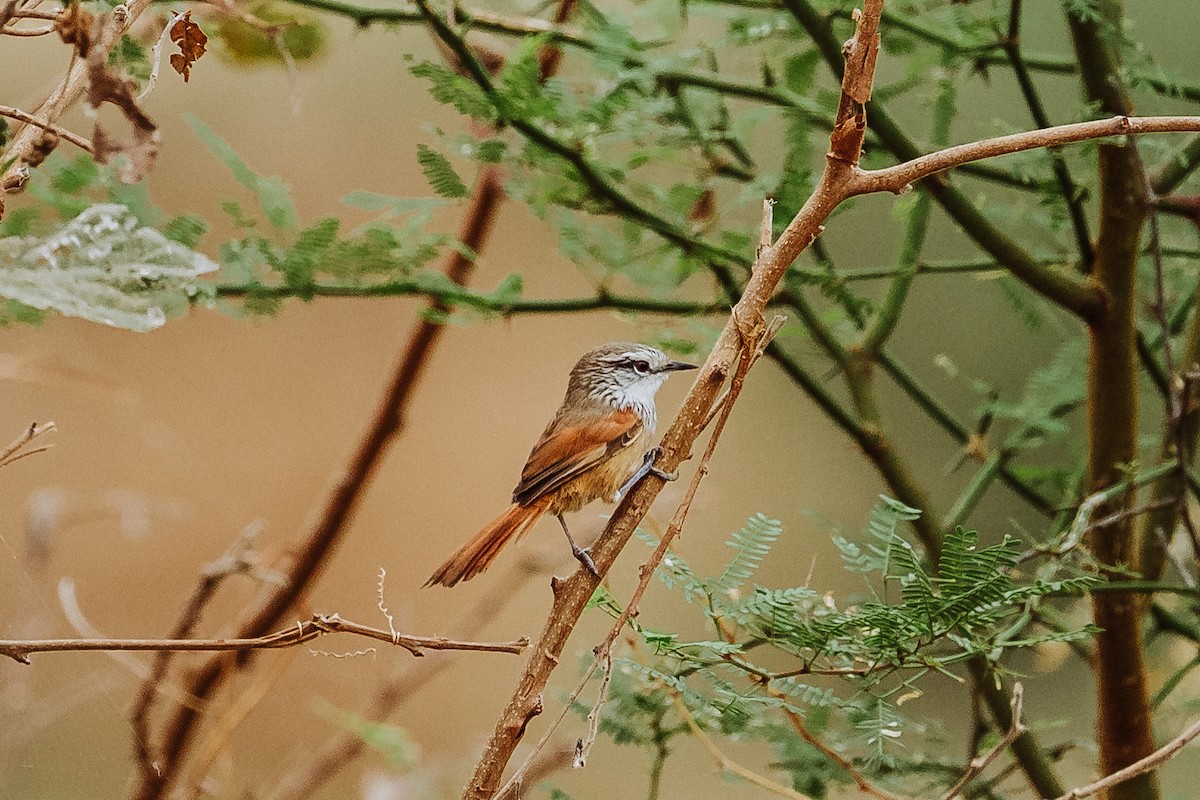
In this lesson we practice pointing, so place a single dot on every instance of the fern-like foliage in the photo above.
(917, 618)
(750, 546)
(439, 172)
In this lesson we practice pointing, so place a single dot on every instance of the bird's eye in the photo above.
(641, 367)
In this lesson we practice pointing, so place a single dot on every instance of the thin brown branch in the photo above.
(319, 765)
(900, 177)
(303, 631)
(1139, 767)
(980, 763)
(19, 448)
(33, 13)
(45, 30)
(801, 728)
(583, 747)
(727, 763)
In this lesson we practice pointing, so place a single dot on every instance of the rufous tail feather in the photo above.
(477, 555)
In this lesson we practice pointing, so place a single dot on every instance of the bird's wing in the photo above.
(567, 449)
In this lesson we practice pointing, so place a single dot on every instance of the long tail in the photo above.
(477, 555)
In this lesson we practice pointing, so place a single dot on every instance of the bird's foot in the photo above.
(652, 455)
(647, 468)
(584, 557)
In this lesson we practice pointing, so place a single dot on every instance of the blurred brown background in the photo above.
(168, 444)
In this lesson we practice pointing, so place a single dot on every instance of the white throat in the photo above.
(637, 397)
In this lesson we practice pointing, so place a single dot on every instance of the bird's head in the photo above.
(624, 374)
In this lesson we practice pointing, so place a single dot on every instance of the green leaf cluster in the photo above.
(846, 668)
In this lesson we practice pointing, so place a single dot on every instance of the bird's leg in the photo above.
(647, 468)
(581, 553)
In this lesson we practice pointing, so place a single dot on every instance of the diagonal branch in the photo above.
(979, 764)
(1140, 767)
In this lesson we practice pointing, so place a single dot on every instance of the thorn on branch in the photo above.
(766, 228)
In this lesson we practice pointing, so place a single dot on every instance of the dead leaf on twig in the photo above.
(142, 148)
(42, 148)
(74, 26)
(191, 41)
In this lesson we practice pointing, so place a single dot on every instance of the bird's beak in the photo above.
(673, 366)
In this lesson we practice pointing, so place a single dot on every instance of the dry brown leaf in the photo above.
(74, 26)
(43, 146)
(105, 86)
(704, 208)
(191, 41)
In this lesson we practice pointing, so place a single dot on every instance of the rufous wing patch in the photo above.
(567, 450)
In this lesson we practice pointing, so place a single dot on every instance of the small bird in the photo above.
(596, 447)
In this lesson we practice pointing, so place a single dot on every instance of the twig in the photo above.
(118, 21)
(897, 179)
(481, 300)
(156, 54)
(1139, 767)
(45, 30)
(801, 728)
(727, 763)
(74, 138)
(303, 631)
(583, 747)
(317, 766)
(1082, 523)
(16, 450)
(33, 13)
(980, 763)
